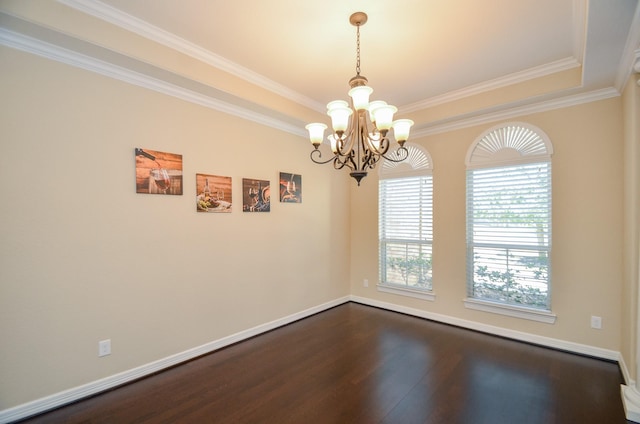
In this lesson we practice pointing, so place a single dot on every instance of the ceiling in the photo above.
(415, 53)
(411, 50)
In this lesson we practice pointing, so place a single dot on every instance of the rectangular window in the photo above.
(509, 234)
(406, 231)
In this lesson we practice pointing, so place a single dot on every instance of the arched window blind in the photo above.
(509, 217)
(405, 218)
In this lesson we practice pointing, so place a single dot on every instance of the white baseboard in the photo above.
(628, 380)
(62, 398)
(498, 331)
(631, 402)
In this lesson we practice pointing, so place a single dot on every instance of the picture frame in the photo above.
(290, 187)
(158, 172)
(256, 195)
(214, 193)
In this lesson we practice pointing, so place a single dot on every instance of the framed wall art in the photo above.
(158, 172)
(213, 193)
(290, 188)
(256, 195)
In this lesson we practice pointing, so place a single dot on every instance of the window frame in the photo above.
(417, 166)
(508, 146)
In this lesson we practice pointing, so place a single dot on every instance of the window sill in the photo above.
(512, 311)
(402, 291)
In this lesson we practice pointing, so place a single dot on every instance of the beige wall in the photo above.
(84, 258)
(587, 226)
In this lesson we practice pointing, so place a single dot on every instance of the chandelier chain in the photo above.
(357, 49)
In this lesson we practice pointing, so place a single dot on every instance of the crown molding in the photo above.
(112, 15)
(579, 29)
(177, 86)
(511, 111)
(631, 53)
(60, 54)
(514, 78)
(38, 47)
(142, 28)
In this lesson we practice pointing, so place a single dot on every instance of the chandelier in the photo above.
(360, 137)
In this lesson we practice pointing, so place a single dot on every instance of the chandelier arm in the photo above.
(345, 160)
(350, 163)
(366, 151)
(372, 159)
(340, 161)
(383, 145)
(337, 163)
(319, 155)
(375, 137)
(344, 144)
(401, 152)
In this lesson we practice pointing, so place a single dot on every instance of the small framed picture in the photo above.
(158, 172)
(256, 195)
(213, 193)
(290, 188)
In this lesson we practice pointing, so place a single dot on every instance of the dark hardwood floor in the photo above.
(358, 364)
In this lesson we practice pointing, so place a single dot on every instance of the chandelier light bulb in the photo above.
(316, 133)
(374, 105)
(360, 96)
(339, 116)
(384, 116)
(401, 129)
(336, 104)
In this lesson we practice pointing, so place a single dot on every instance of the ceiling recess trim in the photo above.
(513, 112)
(144, 29)
(123, 20)
(631, 51)
(38, 47)
(60, 54)
(514, 78)
(206, 96)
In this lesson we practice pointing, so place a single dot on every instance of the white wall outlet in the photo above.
(596, 322)
(365, 283)
(104, 347)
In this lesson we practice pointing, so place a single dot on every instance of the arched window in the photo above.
(509, 220)
(405, 224)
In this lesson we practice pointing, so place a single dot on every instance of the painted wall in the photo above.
(587, 227)
(84, 258)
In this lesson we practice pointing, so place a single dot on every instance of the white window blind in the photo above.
(509, 234)
(406, 231)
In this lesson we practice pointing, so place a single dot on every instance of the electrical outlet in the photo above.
(104, 347)
(365, 283)
(596, 322)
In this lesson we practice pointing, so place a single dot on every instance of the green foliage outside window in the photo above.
(510, 286)
(415, 270)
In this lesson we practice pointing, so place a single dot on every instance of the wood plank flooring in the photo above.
(358, 364)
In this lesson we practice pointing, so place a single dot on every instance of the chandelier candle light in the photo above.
(360, 130)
